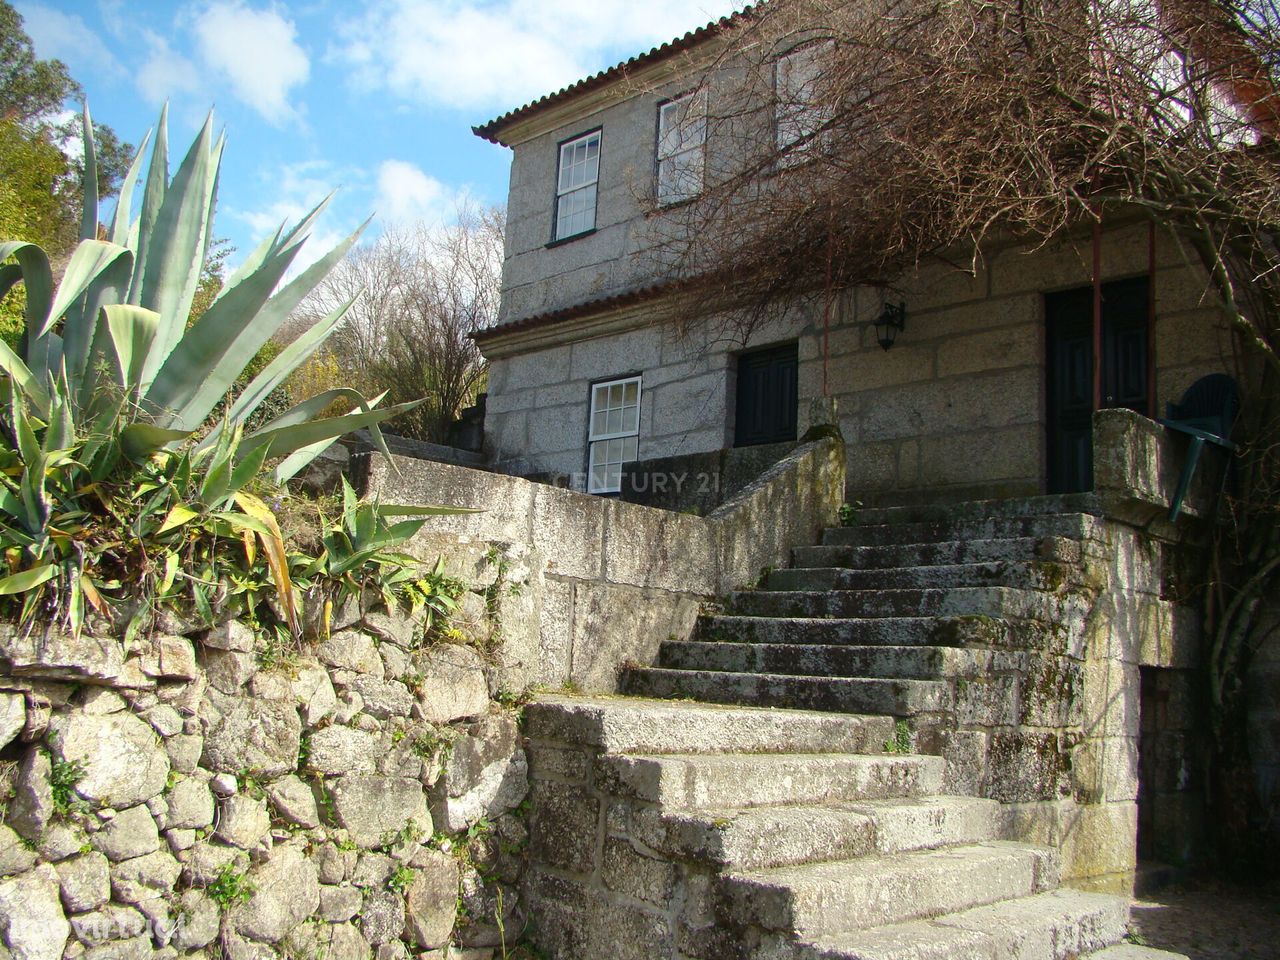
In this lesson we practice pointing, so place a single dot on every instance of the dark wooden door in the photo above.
(1069, 370)
(766, 407)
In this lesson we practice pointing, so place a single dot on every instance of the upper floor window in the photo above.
(576, 185)
(614, 437)
(682, 138)
(799, 111)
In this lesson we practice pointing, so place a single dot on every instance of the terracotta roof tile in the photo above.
(562, 314)
(492, 131)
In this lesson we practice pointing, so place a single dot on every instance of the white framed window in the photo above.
(682, 139)
(576, 185)
(614, 437)
(798, 114)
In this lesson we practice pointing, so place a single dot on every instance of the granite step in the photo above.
(1023, 574)
(883, 631)
(998, 602)
(710, 782)
(762, 837)
(1057, 925)
(838, 897)
(1133, 951)
(833, 660)
(893, 697)
(637, 725)
(756, 838)
(921, 554)
(1070, 525)
(931, 822)
(980, 509)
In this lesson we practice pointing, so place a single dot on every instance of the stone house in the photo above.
(978, 396)
(1011, 594)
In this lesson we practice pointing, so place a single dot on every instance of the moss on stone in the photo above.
(822, 431)
(966, 630)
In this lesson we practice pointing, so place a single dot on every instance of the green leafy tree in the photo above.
(34, 95)
(31, 89)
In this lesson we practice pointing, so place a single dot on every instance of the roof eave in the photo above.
(493, 130)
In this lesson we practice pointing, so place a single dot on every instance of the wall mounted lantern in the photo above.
(892, 320)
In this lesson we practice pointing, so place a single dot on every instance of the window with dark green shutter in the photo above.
(767, 385)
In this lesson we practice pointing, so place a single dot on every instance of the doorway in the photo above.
(1069, 372)
(767, 396)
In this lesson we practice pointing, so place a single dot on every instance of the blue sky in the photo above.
(377, 97)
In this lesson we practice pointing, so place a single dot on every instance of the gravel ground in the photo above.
(1210, 921)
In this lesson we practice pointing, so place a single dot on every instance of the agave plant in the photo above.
(110, 388)
(360, 554)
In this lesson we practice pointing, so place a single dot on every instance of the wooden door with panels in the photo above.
(1069, 372)
(768, 381)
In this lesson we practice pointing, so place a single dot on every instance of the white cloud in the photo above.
(408, 195)
(401, 193)
(66, 37)
(502, 53)
(297, 188)
(165, 73)
(258, 52)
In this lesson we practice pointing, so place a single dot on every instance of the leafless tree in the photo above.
(425, 290)
(916, 129)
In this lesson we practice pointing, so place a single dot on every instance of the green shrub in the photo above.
(63, 777)
(115, 482)
(229, 887)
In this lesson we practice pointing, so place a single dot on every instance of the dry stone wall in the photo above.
(203, 793)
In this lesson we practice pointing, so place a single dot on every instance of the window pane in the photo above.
(680, 177)
(682, 130)
(579, 163)
(668, 131)
(615, 413)
(630, 419)
(694, 131)
(797, 84)
(566, 161)
(576, 212)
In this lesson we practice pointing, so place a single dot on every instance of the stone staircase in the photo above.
(885, 616)
(699, 824)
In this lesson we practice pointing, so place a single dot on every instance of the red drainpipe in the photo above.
(1097, 312)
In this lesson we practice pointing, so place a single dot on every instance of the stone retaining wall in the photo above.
(582, 585)
(204, 793)
(697, 483)
(1135, 776)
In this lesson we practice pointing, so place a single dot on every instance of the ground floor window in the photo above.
(614, 437)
